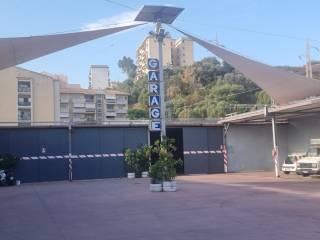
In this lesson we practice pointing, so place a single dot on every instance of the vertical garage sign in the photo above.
(154, 94)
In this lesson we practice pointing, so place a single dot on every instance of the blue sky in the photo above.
(271, 31)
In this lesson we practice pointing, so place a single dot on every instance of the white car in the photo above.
(290, 163)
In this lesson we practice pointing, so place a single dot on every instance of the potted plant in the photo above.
(155, 173)
(166, 164)
(7, 169)
(143, 154)
(130, 159)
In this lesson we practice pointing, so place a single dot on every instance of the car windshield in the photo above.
(313, 152)
(290, 160)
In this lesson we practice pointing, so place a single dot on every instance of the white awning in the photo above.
(281, 85)
(14, 51)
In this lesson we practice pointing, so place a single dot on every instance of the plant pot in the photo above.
(131, 175)
(155, 187)
(144, 174)
(169, 186)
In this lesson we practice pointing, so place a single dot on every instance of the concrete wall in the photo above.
(300, 131)
(249, 147)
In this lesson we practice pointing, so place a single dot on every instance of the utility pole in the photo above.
(308, 60)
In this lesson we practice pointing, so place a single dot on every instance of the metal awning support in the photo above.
(275, 150)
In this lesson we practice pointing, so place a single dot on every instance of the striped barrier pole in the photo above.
(275, 155)
(70, 167)
(225, 157)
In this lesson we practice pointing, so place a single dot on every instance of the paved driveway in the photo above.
(233, 206)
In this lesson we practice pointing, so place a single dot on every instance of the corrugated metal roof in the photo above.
(283, 113)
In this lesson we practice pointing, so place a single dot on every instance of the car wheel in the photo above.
(286, 172)
(305, 174)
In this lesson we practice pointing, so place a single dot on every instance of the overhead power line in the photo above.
(120, 4)
(298, 38)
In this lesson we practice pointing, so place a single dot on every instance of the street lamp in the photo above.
(159, 15)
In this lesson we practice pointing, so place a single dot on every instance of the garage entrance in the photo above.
(198, 147)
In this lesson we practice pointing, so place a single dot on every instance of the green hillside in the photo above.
(207, 89)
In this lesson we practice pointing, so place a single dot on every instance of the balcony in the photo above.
(90, 110)
(111, 114)
(64, 114)
(124, 110)
(24, 104)
(90, 105)
(79, 110)
(111, 101)
(122, 101)
(24, 89)
(78, 105)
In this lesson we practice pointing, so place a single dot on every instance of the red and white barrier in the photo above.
(225, 157)
(194, 152)
(104, 155)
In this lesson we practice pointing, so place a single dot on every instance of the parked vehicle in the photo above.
(290, 163)
(7, 177)
(310, 164)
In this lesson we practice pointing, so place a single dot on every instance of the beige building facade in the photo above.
(27, 96)
(91, 105)
(31, 98)
(99, 77)
(176, 53)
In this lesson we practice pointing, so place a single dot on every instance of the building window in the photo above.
(24, 86)
(24, 115)
(24, 101)
(89, 98)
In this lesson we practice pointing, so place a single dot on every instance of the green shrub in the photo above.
(143, 155)
(8, 161)
(164, 169)
(130, 159)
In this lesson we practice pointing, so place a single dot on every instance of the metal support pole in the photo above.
(160, 35)
(225, 151)
(275, 151)
(70, 151)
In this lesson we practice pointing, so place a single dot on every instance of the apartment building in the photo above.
(28, 96)
(176, 53)
(91, 105)
(182, 52)
(99, 77)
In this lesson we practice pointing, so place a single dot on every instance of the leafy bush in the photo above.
(155, 172)
(130, 159)
(164, 169)
(139, 160)
(8, 161)
(143, 155)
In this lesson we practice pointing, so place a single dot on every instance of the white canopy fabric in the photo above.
(281, 85)
(14, 51)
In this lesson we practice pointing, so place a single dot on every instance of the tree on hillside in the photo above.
(128, 67)
(263, 98)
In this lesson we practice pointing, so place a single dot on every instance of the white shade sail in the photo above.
(281, 85)
(14, 51)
